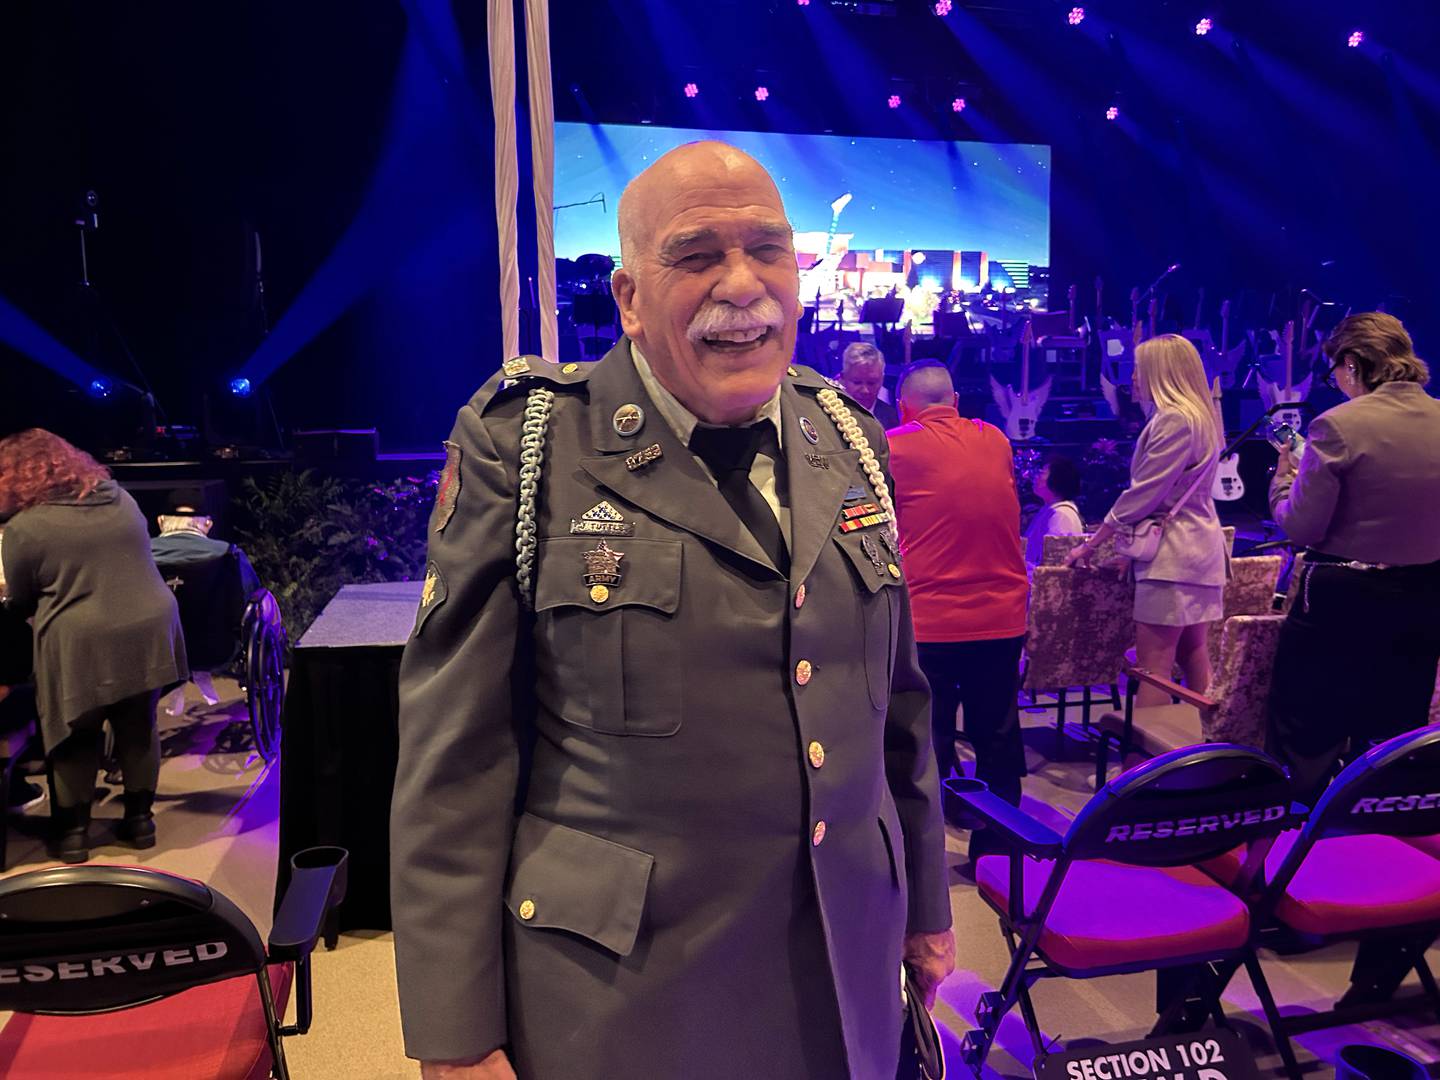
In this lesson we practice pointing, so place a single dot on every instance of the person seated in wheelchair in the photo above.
(211, 598)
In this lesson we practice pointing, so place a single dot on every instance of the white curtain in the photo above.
(542, 160)
(507, 170)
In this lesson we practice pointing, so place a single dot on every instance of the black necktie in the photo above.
(729, 452)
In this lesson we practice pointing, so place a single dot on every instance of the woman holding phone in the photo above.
(1359, 648)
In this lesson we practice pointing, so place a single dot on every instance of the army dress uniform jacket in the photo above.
(674, 826)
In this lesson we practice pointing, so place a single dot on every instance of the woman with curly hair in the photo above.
(76, 556)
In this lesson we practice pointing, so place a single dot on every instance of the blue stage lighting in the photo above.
(101, 388)
(241, 387)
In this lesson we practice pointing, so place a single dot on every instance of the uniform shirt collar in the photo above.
(681, 420)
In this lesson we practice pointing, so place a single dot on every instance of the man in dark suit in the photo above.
(862, 374)
(666, 803)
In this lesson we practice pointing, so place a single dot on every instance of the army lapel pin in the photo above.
(602, 519)
(602, 570)
(628, 420)
(641, 458)
(818, 461)
(807, 428)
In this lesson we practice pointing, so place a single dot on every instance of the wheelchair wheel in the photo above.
(265, 679)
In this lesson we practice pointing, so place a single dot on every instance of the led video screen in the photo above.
(872, 217)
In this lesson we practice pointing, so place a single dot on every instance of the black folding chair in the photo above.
(1119, 892)
(1363, 868)
(79, 944)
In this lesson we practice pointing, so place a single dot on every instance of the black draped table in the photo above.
(340, 741)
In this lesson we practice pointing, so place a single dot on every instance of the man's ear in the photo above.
(622, 287)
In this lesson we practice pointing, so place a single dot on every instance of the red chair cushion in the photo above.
(1350, 883)
(1109, 914)
(1428, 844)
(209, 1031)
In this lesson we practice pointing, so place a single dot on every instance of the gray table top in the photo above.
(357, 615)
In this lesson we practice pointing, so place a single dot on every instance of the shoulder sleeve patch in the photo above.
(448, 490)
(431, 596)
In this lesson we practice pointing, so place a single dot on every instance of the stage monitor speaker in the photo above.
(352, 445)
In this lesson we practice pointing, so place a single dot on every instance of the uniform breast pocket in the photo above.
(879, 597)
(607, 654)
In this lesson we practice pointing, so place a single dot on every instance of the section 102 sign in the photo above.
(1205, 1055)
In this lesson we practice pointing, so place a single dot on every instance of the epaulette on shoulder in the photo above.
(800, 375)
(524, 372)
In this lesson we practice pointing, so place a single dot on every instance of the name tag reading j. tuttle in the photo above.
(1202, 1055)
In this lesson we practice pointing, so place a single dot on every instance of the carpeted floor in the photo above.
(216, 815)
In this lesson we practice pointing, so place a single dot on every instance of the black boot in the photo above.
(138, 827)
(72, 832)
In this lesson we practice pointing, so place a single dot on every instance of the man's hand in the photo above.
(1286, 464)
(1081, 555)
(493, 1066)
(933, 958)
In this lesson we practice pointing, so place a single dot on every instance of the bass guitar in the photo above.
(1228, 487)
(1021, 408)
(1291, 393)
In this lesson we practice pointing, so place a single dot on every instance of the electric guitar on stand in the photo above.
(1021, 408)
(1228, 487)
(1226, 359)
(1291, 393)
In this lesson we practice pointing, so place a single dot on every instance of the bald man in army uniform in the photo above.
(666, 803)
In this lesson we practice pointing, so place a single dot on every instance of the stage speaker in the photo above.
(351, 445)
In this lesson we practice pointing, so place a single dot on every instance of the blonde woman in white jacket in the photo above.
(1180, 591)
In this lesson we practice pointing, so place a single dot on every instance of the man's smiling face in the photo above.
(710, 288)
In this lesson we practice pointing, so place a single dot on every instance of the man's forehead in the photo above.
(709, 223)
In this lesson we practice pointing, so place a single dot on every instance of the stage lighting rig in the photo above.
(1076, 16)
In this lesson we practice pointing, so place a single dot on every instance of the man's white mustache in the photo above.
(717, 318)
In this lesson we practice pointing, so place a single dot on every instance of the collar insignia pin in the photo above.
(628, 420)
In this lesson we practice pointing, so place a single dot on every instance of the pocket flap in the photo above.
(853, 544)
(649, 573)
(565, 879)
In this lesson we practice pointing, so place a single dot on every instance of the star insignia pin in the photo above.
(602, 565)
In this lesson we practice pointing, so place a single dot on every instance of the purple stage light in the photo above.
(894, 101)
(942, 7)
(1076, 16)
(1204, 26)
(803, 3)
(1356, 39)
(691, 90)
(762, 93)
(958, 105)
(1112, 113)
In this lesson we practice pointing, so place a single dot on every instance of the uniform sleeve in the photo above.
(453, 809)
(914, 778)
(22, 591)
(1166, 451)
(1303, 502)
